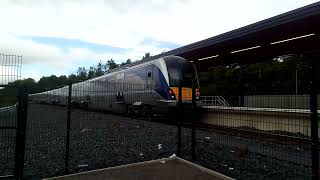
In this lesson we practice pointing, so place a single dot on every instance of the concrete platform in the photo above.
(265, 119)
(172, 168)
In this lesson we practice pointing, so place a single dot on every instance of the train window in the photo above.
(174, 76)
(180, 69)
(187, 71)
(149, 74)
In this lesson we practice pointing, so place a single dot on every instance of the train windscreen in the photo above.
(179, 68)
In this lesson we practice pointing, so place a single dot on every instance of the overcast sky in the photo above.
(58, 36)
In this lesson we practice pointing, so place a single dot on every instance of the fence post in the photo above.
(22, 114)
(179, 118)
(314, 122)
(66, 166)
(194, 116)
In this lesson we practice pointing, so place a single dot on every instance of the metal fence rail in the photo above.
(8, 108)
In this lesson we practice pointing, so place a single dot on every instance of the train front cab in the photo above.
(181, 73)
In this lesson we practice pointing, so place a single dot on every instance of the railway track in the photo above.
(190, 120)
(280, 137)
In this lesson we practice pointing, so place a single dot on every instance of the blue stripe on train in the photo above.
(160, 84)
(163, 88)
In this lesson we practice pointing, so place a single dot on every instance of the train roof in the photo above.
(138, 63)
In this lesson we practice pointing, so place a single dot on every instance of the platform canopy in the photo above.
(294, 32)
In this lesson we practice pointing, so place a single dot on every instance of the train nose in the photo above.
(186, 93)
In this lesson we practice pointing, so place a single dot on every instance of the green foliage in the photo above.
(127, 62)
(111, 64)
(81, 74)
(91, 73)
(8, 96)
(276, 76)
(99, 70)
(146, 56)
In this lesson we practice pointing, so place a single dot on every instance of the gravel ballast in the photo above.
(99, 140)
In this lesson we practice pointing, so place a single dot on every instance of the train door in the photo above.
(149, 77)
(120, 87)
(149, 93)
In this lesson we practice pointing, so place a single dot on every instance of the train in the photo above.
(146, 84)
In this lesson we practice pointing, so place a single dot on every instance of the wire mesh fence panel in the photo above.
(10, 68)
(250, 124)
(252, 158)
(10, 71)
(46, 134)
(7, 139)
(110, 124)
(186, 144)
(117, 126)
(259, 116)
(261, 97)
(103, 140)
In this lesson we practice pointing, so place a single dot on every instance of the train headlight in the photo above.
(171, 93)
(197, 94)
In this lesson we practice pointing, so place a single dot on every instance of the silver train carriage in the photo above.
(153, 83)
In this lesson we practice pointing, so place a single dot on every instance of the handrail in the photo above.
(214, 100)
(8, 107)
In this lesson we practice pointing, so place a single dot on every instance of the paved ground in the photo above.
(162, 169)
(99, 140)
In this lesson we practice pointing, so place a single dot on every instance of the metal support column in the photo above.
(194, 116)
(21, 132)
(179, 119)
(314, 122)
(68, 130)
(241, 87)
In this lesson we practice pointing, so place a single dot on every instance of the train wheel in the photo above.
(85, 106)
(130, 111)
(147, 111)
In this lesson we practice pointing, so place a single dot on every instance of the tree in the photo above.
(111, 64)
(63, 80)
(146, 56)
(72, 78)
(99, 70)
(91, 73)
(127, 62)
(82, 74)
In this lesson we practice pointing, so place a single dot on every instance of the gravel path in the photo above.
(100, 140)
